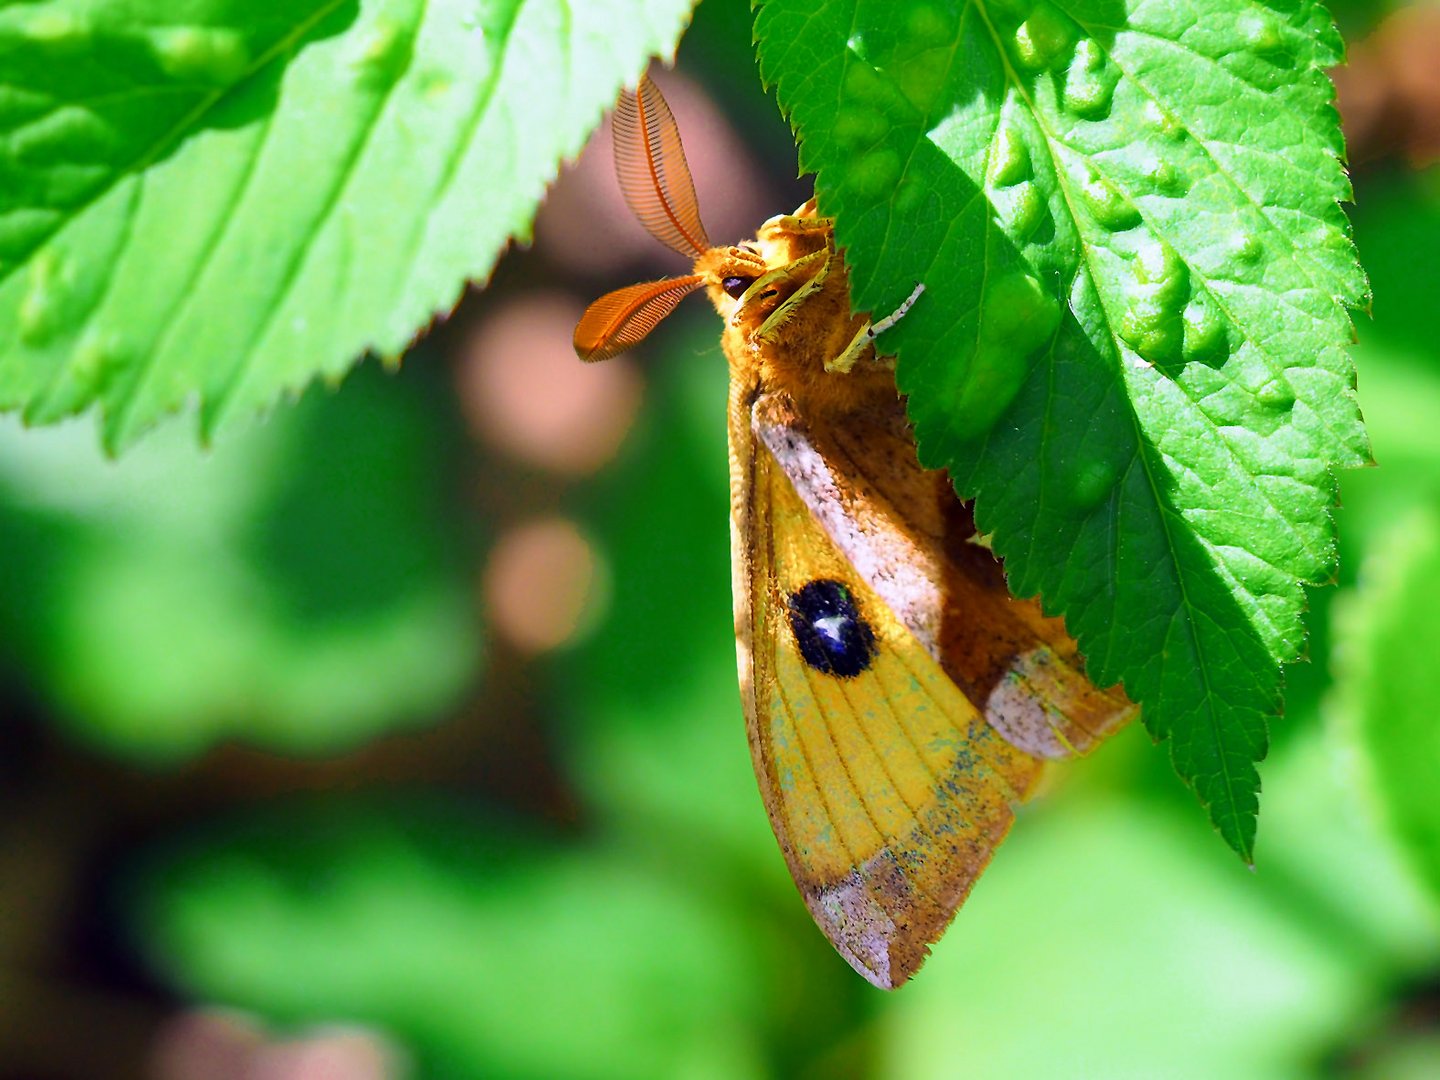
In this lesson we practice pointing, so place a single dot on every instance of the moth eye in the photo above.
(833, 637)
(736, 286)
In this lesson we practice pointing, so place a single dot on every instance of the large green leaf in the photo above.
(1131, 347)
(220, 199)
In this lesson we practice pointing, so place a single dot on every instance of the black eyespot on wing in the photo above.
(832, 635)
(736, 286)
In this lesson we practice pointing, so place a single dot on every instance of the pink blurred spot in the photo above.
(334, 1054)
(216, 1044)
(542, 584)
(208, 1043)
(1388, 92)
(526, 393)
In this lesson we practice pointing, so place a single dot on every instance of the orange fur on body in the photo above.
(791, 357)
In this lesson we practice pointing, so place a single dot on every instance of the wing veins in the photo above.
(800, 741)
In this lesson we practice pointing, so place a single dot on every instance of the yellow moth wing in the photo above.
(886, 787)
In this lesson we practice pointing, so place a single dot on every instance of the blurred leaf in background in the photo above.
(484, 947)
(301, 587)
(1112, 940)
(1387, 629)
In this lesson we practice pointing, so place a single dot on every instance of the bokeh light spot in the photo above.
(544, 585)
(526, 393)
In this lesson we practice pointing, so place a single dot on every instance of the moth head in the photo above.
(731, 275)
(745, 282)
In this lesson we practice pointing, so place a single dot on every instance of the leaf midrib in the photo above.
(1212, 726)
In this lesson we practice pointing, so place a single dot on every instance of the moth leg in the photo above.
(794, 223)
(867, 334)
(804, 219)
(787, 308)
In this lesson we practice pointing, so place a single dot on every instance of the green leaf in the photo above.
(1130, 352)
(1253, 987)
(303, 587)
(1389, 681)
(485, 949)
(222, 201)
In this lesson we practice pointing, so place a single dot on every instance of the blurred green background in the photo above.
(398, 735)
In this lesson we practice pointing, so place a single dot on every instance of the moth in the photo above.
(899, 702)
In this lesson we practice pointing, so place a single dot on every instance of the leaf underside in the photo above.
(1131, 350)
(217, 204)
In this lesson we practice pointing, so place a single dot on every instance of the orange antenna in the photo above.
(650, 163)
(622, 318)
